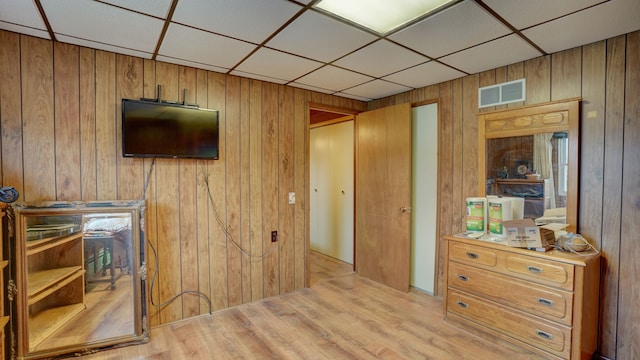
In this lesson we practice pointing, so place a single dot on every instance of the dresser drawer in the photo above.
(552, 304)
(552, 273)
(543, 334)
(473, 255)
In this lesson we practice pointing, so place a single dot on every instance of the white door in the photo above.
(332, 190)
(424, 196)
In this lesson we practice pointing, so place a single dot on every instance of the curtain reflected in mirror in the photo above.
(533, 167)
(80, 265)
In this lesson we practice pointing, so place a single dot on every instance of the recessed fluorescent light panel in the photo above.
(381, 16)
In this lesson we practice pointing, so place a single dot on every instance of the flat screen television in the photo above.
(165, 130)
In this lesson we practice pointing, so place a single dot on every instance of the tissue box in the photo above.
(526, 234)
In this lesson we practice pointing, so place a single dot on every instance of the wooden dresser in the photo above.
(546, 302)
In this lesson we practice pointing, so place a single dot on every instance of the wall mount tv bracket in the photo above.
(159, 99)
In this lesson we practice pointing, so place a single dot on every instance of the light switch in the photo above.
(292, 198)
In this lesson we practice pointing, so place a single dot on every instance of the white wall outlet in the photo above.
(292, 198)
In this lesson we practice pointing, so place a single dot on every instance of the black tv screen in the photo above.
(157, 129)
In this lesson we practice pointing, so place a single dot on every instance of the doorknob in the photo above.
(405, 209)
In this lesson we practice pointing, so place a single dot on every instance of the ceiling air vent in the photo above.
(501, 94)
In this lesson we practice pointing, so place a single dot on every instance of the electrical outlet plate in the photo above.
(292, 198)
(274, 236)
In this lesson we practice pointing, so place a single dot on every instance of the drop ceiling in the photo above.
(291, 42)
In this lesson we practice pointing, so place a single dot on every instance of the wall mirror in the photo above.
(531, 152)
(79, 276)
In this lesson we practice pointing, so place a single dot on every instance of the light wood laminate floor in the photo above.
(341, 316)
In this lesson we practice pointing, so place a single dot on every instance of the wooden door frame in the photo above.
(354, 112)
(346, 112)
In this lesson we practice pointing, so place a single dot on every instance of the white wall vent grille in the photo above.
(501, 94)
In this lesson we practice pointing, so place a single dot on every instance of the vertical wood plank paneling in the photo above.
(270, 193)
(300, 164)
(566, 71)
(286, 230)
(255, 179)
(168, 218)
(445, 171)
(88, 160)
(538, 74)
(106, 150)
(236, 253)
(431, 92)
(469, 146)
(218, 241)
(458, 155)
(129, 85)
(151, 202)
(202, 208)
(612, 194)
(245, 186)
(188, 208)
(11, 112)
(628, 315)
(66, 77)
(592, 141)
(27, 119)
(38, 119)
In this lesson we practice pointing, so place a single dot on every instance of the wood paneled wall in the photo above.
(210, 222)
(606, 75)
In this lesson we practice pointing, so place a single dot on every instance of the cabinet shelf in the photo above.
(36, 246)
(46, 322)
(46, 282)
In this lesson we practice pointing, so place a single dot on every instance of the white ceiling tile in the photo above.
(333, 78)
(191, 64)
(258, 77)
(101, 46)
(248, 20)
(203, 47)
(312, 88)
(103, 23)
(524, 13)
(376, 89)
(277, 65)
(20, 12)
(367, 59)
(424, 75)
(159, 8)
(500, 52)
(24, 30)
(604, 21)
(458, 27)
(355, 97)
(319, 37)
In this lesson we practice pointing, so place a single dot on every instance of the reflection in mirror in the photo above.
(80, 265)
(533, 167)
(531, 152)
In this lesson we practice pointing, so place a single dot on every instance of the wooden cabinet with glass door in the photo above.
(51, 269)
(4, 265)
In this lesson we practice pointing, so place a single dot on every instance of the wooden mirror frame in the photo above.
(17, 219)
(535, 119)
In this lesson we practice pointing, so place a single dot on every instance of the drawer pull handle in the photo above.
(543, 334)
(535, 269)
(545, 302)
(472, 255)
(462, 304)
(463, 278)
